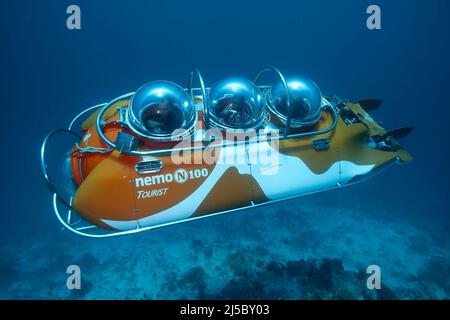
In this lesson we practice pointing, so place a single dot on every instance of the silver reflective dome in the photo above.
(160, 107)
(306, 101)
(236, 103)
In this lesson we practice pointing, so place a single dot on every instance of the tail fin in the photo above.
(398, 133)
(370, 104)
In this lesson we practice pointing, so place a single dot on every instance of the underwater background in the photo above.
(313, 247)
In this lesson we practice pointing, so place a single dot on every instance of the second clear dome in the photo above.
(236, 103)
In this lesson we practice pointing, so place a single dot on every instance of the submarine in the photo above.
(166, 154)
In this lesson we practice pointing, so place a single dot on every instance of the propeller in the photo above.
(397, 133)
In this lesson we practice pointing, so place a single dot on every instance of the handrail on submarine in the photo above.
(202, 87)
(206, 143)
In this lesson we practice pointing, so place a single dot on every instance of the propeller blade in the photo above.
(370, 104)
(398, 133)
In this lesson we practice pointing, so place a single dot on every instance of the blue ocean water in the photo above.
(398, 220)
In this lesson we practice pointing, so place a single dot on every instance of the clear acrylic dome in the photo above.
(236, 103)
(160, 107)
(305, 98)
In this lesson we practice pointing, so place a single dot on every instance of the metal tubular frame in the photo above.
(82, 113)
(202, 87)
(288, 97)
(44, 164)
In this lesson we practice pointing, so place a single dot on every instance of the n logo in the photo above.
(181, 176)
